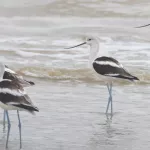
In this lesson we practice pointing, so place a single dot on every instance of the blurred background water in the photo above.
(70, 96)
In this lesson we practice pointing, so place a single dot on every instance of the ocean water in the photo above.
(71, 97)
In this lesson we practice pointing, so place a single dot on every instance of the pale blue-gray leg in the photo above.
(110, 98)
(9, 125)
(4, 118)
(19, 125)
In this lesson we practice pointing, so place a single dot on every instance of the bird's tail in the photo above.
(25, 83)
(30, 82)
(33, 111)
(134, 78)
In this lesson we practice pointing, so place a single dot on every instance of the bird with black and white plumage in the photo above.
(12, 75)
(110, 67)
(13, 96)
(106, 66)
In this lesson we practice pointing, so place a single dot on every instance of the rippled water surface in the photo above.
(71, 97)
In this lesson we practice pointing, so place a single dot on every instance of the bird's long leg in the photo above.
(4, 118)
(19, 125)
(9, 125)
(110, 98)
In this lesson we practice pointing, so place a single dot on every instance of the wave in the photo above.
(79, 74)
(80, 8)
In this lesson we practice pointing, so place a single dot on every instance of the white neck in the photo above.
(2, 70)
(94, 50)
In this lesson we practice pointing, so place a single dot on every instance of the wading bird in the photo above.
(106, 66)
(13, 97)
(12, 75)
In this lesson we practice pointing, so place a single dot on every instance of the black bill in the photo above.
(143, 26)
(76, 45)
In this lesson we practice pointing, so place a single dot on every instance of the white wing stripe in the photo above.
(18, 103)
(111, 74)
(9, 70)
(12, 92)
(107, 63)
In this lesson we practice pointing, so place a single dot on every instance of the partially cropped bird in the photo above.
(12, 75)
(13, 95)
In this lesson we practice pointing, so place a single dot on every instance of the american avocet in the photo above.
(106, 66)
(13, 97)
(12, 75)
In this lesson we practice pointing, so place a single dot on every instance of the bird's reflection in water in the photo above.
(109, 131)
(109, 119)
(5, 134)
(103, 134)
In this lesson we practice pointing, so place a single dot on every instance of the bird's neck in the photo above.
(2, 70)
(94, 50)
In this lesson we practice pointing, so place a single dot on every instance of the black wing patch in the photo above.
(108, 66)
(13, 94)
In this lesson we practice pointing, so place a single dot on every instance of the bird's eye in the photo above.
(89, 39)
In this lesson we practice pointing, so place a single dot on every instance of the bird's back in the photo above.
(110, 67)
(13, 96)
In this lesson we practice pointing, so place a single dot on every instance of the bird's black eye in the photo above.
(89, 39)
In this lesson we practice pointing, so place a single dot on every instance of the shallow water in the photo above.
(71, 97)
(72, 117)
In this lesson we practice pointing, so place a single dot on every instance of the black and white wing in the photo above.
(12, 95)
(108, 66)
(12, 75)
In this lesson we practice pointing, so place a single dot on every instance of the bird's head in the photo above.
(88, 41)
(93, 42)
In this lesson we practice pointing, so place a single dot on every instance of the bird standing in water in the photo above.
(12, 75)
(106, 66)
(13, 96)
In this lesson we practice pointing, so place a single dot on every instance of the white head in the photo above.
(89, 41)
(93, 42)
